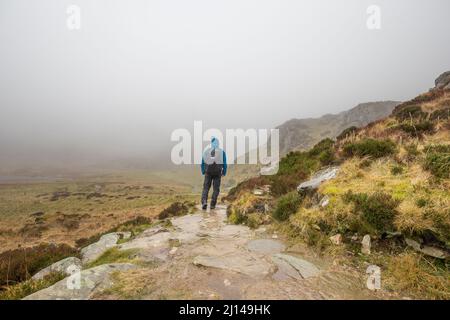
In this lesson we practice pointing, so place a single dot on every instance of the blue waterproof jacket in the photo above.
(214, 145)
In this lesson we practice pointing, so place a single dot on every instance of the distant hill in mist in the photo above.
(302, 134)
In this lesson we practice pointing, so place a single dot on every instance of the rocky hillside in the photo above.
(378, 195)
(302, 134)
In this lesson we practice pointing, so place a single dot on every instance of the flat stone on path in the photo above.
(241, 262)
(305, 269)
(265, 246)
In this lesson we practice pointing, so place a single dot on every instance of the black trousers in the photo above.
(215, 180)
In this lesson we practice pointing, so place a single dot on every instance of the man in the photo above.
(214, 166)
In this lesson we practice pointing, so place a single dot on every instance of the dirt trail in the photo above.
(201, 256)
(204, 257)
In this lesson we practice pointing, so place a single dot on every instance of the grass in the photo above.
(84, 206)
(133, 284)
(248, 209)
(409, 112)
(114, 255)
(176, 209)
(20, 264)
(23, 289)
(286, 206)
(414, 274)
(370, 148)
(437, 160)
(377, 210)
(417, 128)
(347, 132)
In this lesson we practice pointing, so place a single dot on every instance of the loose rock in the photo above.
(366, 244)
(336, 239)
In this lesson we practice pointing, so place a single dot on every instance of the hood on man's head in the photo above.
(214, 142)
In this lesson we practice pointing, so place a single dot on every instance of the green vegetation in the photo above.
(377, 210)
(440, 114)
(298, 166)
(113, 255)
(176, 209)
(417, 129)
(396, 170)
(323, 151)
(20, 264)
(347, 132)
(235, 216)
(437, 160)
(286, 206)
(370, 148)
(409, 112)
(424, 278)
(23, 289)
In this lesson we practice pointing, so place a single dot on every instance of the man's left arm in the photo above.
(224, 172)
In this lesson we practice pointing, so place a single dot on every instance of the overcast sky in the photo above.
(138, 69)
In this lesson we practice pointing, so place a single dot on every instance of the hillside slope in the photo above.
(302, 134)
(384, 199)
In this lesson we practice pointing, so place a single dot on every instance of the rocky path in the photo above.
(202, 257)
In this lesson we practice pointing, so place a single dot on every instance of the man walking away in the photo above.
(214, 166)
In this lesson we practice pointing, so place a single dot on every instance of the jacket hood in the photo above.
(214, 142)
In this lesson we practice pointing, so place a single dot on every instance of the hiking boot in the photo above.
(204, 207)
(212, 207)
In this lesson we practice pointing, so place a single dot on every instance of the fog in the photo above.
(113, 91)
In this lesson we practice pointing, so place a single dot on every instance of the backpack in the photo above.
(213, 169)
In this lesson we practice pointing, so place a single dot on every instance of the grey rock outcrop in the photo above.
(107, 241)
(318, 178)
(82, 285)
(302, 134)
(443, 81)
(60, 266)
(428, 250)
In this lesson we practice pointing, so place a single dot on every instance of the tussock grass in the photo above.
(131, 284)
(414, 274)
(286, 206)
(114, 255)
(23, 289)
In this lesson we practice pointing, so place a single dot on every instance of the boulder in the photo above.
(366, 244)
(336, 239)
(318, 178)
(258, 192)
(60, 266)
(107, 241)
(81, 285)
(324, 201)
(443, 81)
(428, 250)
